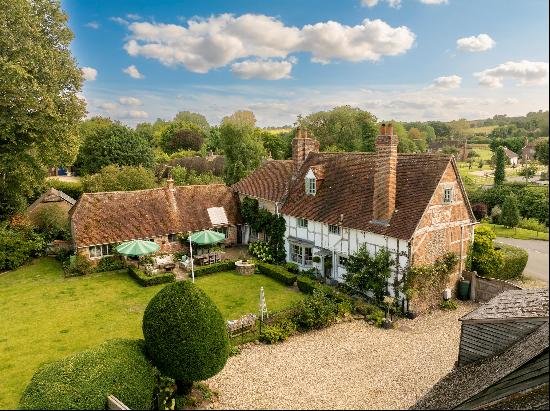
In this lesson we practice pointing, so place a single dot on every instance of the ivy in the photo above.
(272, 225)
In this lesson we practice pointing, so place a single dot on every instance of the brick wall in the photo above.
(302, 146)
(385, 175)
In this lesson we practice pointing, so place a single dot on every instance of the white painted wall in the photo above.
(345, 244)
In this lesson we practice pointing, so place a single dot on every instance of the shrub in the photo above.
(480, 210)
(496, 213)
(315, 311)
(72, 189)
(448, 305)
(214, 268)
(277, 273)
(278, 332)
(261, 251)
(77, 265)
(18, 246)
(532, 224)
(110, 263)
(510, 212)
(148, 280)
(292, 267)
(115, 178)
(514, 262)
(306, 284)
(366, 309)
(185, 334)
(51, 221)
(85, 379)
(485, 259)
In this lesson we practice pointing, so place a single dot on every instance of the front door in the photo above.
(239, 234)
(327, 266)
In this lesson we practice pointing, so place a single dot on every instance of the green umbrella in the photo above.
(207, 237)
(137, 247)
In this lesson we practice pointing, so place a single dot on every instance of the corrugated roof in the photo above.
(101, 218)
(529, 303)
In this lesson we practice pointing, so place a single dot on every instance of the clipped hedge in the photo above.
(306, 284)
(214, 268)
(110, 263)
(277, 273)
(148, 280)
(514, 259)
(83, 380)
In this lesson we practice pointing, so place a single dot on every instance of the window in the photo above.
(301, 255)
(296, 254)
(221, 230)
(172, 238)
(342, 260)
(334, 229)
(448, 195)
(302, 223)
(310, 186)
(103, 250)
(308, 255)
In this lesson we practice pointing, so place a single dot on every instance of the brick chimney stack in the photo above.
(385, 175)
(302, 145)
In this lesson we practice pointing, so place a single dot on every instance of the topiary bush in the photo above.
(85, 379)
(277, 273)
(185, 334)
(514, 262)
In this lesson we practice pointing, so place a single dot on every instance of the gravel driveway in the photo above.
(349, 365)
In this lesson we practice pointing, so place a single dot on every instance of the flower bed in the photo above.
(146, 280)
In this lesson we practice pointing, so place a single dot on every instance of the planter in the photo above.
(464, 290)
(244, 267)
(410, 315)
(387, 324)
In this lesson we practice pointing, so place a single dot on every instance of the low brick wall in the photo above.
(483, 289)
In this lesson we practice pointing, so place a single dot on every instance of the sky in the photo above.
(405, 60)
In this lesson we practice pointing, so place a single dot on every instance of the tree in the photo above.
(182, 136)
(114, 144)
(115, 178)
(541, 152)
(500, 164)
(442, 130)
(369, 273)
(279, 145)
(485, 259)
(510, 212)
(185, 334)
(450, 150)
(183, 177)
(419, 139)
(51, 221)
(192, 118)
(241, 118)
(40, 107)
(513, 143)
(528, 171)
(343, 128)
(243, 150)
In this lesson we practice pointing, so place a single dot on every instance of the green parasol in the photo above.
(136, 248)
(207, 237)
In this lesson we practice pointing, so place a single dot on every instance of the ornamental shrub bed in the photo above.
(277, 273)
(146, 280)
(214, 268)
(85, 379)
(110, 263)
(514, 262)
(279, 331)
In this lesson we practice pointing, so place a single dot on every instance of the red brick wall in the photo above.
(301, 147)
(385, 177)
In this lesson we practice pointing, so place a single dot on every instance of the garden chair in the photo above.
(211, 258)
(185, 262)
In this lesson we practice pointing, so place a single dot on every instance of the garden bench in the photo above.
(242, 325)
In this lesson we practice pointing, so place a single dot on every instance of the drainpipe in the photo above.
(277, 208)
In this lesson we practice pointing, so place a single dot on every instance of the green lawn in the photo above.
(519, 233)
(45, 316)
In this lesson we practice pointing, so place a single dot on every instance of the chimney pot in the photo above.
(383, 129)
(389, 129)
(170, 183)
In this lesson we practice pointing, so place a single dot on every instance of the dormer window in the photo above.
(311, 183)
(448, 194)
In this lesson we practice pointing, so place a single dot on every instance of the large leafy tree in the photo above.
(193, 118)
(39, 106)
(115, 178)
(113, 144)
(510, 211)
(182, 136)
(541, 152)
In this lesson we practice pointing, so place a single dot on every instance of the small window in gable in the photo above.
(310, 186)
(448, 194)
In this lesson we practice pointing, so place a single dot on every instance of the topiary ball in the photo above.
(83, 381)
(185, 333)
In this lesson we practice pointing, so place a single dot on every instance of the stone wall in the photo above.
(483, 289)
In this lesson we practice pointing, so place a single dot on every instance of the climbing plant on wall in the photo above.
(272, 225)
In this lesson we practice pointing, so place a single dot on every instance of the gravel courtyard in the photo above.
(348, 365)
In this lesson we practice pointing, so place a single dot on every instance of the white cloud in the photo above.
(397, 3)
(130, 101)
(220, 40)
(481, 42)
(369, 3)
(133, 72)
(511, 100)
(133, 16)
(524, 71)
(108, 106)
(434, 1)
(89, 73)
(447, 82)
(119, 20)
(135, 114)
(262, 69)
(92, 24)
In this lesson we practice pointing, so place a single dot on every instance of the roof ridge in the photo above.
(153, 189)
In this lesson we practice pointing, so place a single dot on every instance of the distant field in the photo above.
(279, 130)
(484, 130)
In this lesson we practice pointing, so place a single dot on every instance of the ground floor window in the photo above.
(221, 230)
(342, 260)
(101, 250)
(301, 255)
(172, 238)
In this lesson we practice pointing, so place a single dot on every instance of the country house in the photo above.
(414, 205)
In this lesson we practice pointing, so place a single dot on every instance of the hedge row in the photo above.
(146, 281)
(277, 273)
(514, 259)
(306, 284)
(227, 265)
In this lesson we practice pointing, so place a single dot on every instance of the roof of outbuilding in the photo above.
(345, 196)
(269, 182)
(512, 304)
(52, 195)
(102, 218)
(463, 383)
(509, 153)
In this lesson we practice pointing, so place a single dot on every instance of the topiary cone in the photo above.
(185, 334)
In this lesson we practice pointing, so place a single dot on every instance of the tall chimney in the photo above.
(302, 145)
(385, 175)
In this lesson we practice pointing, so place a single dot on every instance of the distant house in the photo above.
(412, 204)
(511, 156)
(99, 221)
(503, 359)
(528, 150)
(52, 197)
(460, 145)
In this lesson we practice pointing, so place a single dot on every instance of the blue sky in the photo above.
(404, 60)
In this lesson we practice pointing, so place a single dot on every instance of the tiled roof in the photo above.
(509, 153)
(100, 218)
(348, 189)
(463, 383)
(269, 182)
(529, 303)
(52, 195)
